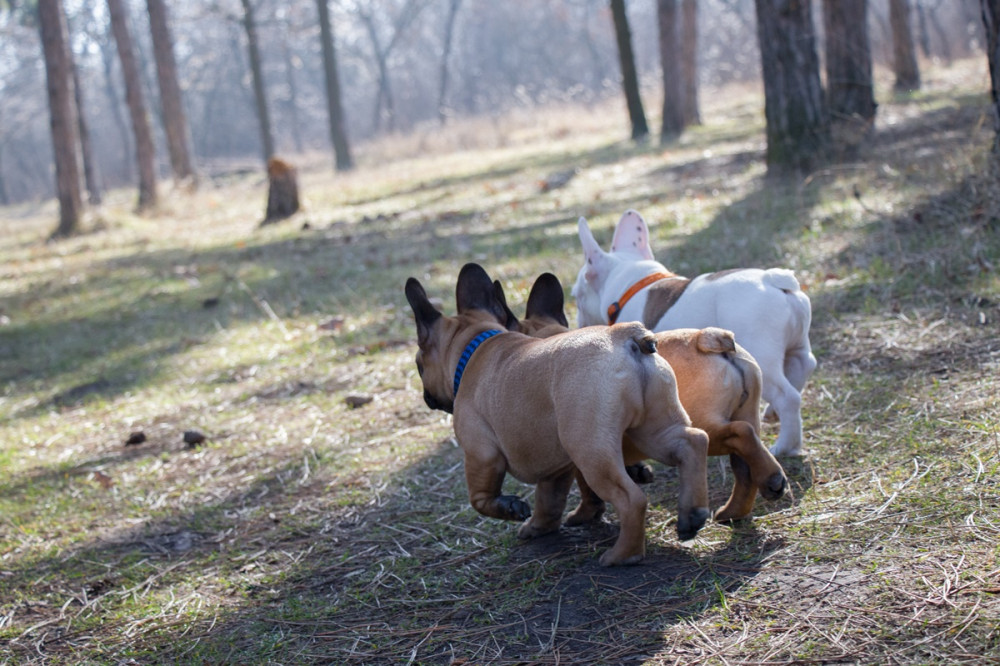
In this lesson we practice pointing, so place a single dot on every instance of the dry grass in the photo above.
(305, 530)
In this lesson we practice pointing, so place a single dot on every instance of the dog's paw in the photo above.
(513, 508)
(689, 524)
(531, 529)
(640, 472)
(775, 487)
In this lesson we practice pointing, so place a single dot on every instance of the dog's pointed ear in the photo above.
(592, 252)
(474, 291)
(424, 312)
(511, 324)
(546, 299)
(632, 235)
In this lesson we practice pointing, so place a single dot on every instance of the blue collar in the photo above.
(467, 354)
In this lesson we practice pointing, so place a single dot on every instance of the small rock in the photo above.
(137, 437)
(193, 438)
(357, 400)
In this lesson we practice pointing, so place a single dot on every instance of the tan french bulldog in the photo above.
(542, 409)
(719, 385)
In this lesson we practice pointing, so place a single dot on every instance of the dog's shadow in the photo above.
(672, 583)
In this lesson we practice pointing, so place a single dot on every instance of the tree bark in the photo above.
(449, 32)
(174, 117)
(144, 147)
(850, 95)
(62, 114)
(257, 73)
(91, 174)
(672, 122)
(630, 79)
(335, 113)
(991, 22)
(282, 192)
(904, 54)
(689, 61)
(798, 127)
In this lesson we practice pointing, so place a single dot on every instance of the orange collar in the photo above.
(615, 308)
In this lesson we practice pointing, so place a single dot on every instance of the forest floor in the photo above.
(324, 519)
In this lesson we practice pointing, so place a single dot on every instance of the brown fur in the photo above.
(547, 410)
(661, 297)
(719, 386)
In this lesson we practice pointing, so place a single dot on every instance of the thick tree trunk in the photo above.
(850, 95)
(672, 123)
(798, 127)
(283, 191)
(335, 113)
(257, 73)
(449, 32)
(144, 147)
(62, 114)
(91, 174)
(174, 117)
(904, 54)
(630, 80)
(991, 21)
(689, 61)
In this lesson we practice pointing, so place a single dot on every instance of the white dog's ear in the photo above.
(632, 235)
(592, 252)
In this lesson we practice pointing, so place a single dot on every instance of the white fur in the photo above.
(765, 309)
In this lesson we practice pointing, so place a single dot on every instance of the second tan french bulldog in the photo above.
(719, 385)
(543, 409)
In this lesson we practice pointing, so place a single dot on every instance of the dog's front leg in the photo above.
(485, 469)
(550, 500)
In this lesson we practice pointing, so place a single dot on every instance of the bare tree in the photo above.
(798, 127)
(174, 117)
(991, 22)
(904, 54)
(850, 93)
(257, 73)
(384, 102)
(335, 113)
(449, 32)
(62, 114)
(672, 123)
(144, 147)
(91, 175)
(630, 80)
(689, 61)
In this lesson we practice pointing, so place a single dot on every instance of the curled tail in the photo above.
(783, 279)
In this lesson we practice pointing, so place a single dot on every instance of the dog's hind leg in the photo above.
(753, 468)
(591, 506)
(686, 448)
(550, 500)
(787, 404)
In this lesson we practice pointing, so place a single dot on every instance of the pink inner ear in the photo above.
(632, 235)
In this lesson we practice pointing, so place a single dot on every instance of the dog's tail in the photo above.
(642, 342)
(783, 279)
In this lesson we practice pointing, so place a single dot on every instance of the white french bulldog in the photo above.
(765, 309)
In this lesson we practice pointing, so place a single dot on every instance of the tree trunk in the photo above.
(991, 21)
(62, 114)
(257, 73)
(630, 80)
(174, 117)
(850, 95)
(91, 175)
(114, 103)
(384, 93)
(672, 123)
(144, 147)
(904, 55)
(449, 31)
(293, 93)
(689, 61)
(798, 128)
(335, 113)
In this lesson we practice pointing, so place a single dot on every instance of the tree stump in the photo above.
(283, 191)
